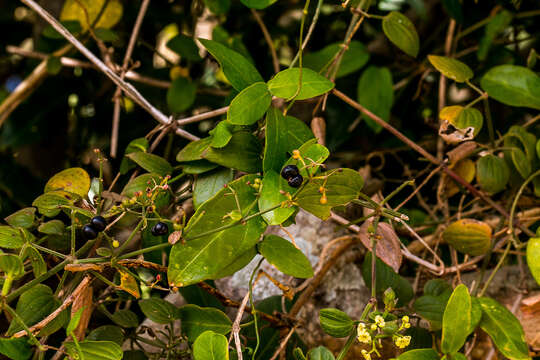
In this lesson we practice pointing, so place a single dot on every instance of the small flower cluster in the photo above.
(144, 198)
(372, 333)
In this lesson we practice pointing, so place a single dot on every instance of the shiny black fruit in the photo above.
(89, 232)
(296, 181)
(98, 223)
(160, 229)
(289, 171)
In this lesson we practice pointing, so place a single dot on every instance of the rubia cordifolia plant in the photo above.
(258, 167)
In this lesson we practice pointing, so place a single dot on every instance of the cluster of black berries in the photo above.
(292, 175)
(96, 225)
(160, 229)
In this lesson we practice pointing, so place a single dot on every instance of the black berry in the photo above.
(296, 181)
(160, 229)
(98, 223)
(89, 232)
(289, 171)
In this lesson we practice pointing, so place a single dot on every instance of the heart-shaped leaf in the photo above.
(336, 323)
(492, 173)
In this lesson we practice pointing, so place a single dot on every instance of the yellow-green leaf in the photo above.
(469, 236)
(285, 84)
(110, 16)
(492, 173)
(401, 32)
(456, 318)
(533, 257)
(451, 68)
(73, 180)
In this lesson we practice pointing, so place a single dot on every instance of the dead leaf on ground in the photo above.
(530, 320)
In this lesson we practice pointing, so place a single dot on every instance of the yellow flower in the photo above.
(403, 341)
(367, 356)
(373, 327)
(362, 334)
(379, 321)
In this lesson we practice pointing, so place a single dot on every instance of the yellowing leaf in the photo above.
(109, 17)
(469, 236)
(129, 284)
(73, 180)
(451, 68)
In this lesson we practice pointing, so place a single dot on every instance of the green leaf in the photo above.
(353, 59)
(401, 32)
(211, 346)
(74, 321)
(159, 310)
(492, 173)
(451, 68)
(341, 186)
(23, 218)
(107, 332)
(53, 227)
(377, 99)
(88, 13)
(196, 320)
(33, 306)
(15, 348)
(504, 329)
(239, 71)
(11, 265)
(73, 26)
(513, 85)
(207, 185)
(283, 135)
(249, 105)
(387, 278)
(198, 167)
(285, 84)
(285, 257)
(151, 163)
(533, 257)
(194, 150)
(431, 307)
(419, 354)
(495, 26)
(206, 256)
(11, 238)
(39, 266)
(184, 46)
(463, 118)
(125, 318)
(95, 350)
(181, 95)
(194, 294)
(313, 155)
(218, 7)
(271, 195)
(258, 4)
(320, 353)
(50, 203)
(456, 318)
(221, 134)
(54, 65)
(73, 180)
(243, 152)
(336, 323)
(106, 35)
(139, 144)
